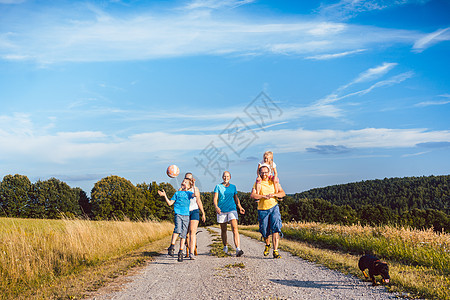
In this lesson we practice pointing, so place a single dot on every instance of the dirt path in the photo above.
(210, 277)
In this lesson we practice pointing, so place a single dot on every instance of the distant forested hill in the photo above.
(398, 194)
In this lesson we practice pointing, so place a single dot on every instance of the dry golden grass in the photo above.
(34, 253)
(345, 243)
(412, 246)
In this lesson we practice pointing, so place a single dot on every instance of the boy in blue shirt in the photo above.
(180, 200)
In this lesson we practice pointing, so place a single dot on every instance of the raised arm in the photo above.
(163, 194)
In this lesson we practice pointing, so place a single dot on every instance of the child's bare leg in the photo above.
(276, 184)
(174, 238)
(258, 188)
(182, 241)
(258, 185)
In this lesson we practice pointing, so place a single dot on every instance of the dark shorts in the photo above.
(194, 215)
(269, 221)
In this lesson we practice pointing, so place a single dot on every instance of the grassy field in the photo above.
(41, 259)
(35, 254)
(419, 260)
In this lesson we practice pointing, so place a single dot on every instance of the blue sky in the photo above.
(340, 91)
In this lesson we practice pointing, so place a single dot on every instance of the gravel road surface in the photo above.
(210, 277)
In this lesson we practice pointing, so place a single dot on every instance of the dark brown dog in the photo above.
(375, 266)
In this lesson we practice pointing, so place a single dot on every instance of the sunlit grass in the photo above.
(217, 245)
(33, 253)
(419, 260)
(411, 246)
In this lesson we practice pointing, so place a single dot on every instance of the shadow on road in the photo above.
(313, 284)
(151, 253)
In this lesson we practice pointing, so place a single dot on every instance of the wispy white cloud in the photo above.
(325, 107)
(215, 4)
(432, 39)
(369, 75)
(313, 111)
(30, 149)
(17, 57)
(415, 154)
(329, 149)
(297, 140)
(321, 108)
(346, 9)
(374, 73)
(66, 148)
(89, 33)
(383, 83)
(432, 103)
(334, 55)
(17, 124)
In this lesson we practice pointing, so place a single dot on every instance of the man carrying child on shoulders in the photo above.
(269, 216)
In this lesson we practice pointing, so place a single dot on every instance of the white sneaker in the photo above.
(225, 249)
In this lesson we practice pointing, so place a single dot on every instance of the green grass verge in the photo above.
(217, 246)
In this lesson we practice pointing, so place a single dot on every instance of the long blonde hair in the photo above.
(271, 161)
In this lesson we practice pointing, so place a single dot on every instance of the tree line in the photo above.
(397, 194)
(114, 197)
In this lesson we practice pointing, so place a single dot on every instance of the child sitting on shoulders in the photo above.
(273, 174)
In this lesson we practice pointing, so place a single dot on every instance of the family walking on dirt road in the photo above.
(266, 191)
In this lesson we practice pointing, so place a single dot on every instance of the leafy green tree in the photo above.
(208, 206)
(15, 196)
(52, 198)
(251, 209)
(376, 215)
(427, 218)
(306, 211)
(156, 207)
(37, 202)
(438, 220)
(114, 197)
(83, 202)
(288, 209)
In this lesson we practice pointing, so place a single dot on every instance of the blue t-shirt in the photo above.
(182, 200)
(226, 197)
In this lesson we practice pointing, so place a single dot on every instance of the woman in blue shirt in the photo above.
(227, 202)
